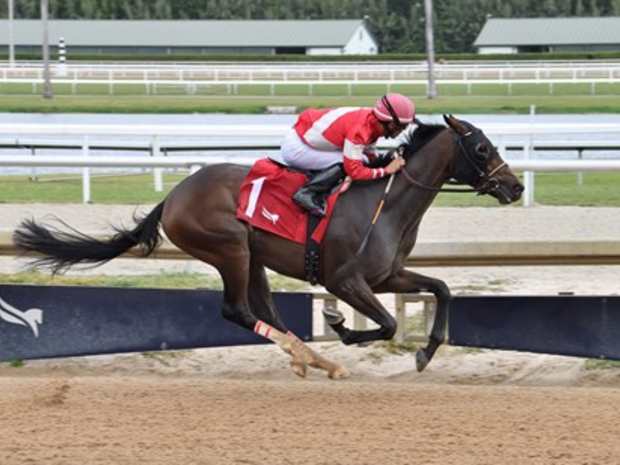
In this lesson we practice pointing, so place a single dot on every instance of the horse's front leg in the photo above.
(355, 291)
(405, 281)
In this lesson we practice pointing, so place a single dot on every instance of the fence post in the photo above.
(157, 172)
(62, 57)
(501, 147)
(580, 173)
(359, 321)
(430, 308)
(85, 173)
(33, 170)
(329, 303)
(401, 321)
(528, 177)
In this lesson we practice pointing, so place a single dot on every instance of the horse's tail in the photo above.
(63, 249)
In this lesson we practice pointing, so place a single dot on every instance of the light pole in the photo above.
(430, 48)
(11, 41)
(47, 84)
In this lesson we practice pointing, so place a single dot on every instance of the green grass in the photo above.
(130, 189)
(601, 364)
(158, 281)
(598, 189)
(532, 89)
(167, 358)
(302, 90)
(451, 100)
(415, 90)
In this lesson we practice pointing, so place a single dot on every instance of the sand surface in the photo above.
(244, 406)
(99, 420)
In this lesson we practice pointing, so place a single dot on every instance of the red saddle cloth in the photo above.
(266, 202)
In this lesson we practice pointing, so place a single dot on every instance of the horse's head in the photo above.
(478, 164)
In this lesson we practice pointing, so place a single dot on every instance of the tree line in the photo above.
(398, 25)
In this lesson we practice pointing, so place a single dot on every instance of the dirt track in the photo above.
(242, 405)
(162, 420)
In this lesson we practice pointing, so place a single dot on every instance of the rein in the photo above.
(487, 183)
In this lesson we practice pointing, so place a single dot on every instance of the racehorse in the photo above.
(198, 216)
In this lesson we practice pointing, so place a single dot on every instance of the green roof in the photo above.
(186, 33)
(549, 31)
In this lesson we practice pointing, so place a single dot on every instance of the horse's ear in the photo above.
(455, 124)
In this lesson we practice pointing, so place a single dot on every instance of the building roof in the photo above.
(549, 31)
(188, 33)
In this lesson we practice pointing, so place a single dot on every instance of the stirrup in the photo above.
(308, 205)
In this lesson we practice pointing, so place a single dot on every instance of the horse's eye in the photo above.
(482, 150)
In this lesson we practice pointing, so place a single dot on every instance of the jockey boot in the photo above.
(312, 195)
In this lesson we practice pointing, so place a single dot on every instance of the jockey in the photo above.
(326, 140)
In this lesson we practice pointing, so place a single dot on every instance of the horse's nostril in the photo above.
(518, 189)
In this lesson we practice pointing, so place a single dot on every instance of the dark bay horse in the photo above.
(199, 217)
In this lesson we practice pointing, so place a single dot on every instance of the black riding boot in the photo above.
(312, 195)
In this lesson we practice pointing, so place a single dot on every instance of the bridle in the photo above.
(485, 183)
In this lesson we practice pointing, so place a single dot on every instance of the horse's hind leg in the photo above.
(262, 306)
(236, 308)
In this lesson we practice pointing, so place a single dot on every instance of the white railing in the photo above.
(525, 133)
(276, 130)
(194, 163)
(284, 71)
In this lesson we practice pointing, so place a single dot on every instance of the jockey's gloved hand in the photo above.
(380, 161)
(395, 165)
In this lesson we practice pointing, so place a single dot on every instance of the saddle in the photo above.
(265, 202)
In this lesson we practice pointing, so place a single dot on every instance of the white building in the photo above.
(312, 37)
(522, 35)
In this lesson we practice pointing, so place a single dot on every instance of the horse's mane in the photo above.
(422, 135)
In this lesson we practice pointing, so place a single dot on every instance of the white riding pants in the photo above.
(295, 153)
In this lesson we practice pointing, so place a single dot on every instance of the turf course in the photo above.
(598, 189)
(451, 100)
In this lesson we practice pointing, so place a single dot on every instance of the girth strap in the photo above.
(312, 260)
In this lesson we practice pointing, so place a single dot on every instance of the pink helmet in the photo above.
(394, 106)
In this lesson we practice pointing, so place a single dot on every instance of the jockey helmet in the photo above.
(392, 107)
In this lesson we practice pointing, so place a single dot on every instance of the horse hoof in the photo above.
(299, 369)
(333, 316)
(421, 360)
(339, 373)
